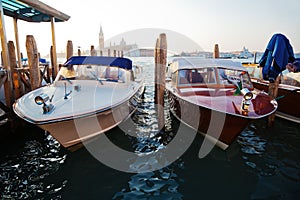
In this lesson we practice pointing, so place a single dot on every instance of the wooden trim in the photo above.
(46, 9)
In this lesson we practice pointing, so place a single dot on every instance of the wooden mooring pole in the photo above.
(160, 56)
(53, 50)
(216, 53)
(79, 51)
(18, 89)
(273, 92)
(52, 63)
(33, 62)
(93, 51)
(69, 49)
(255, 55)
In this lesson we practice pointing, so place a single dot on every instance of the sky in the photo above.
(232, 24)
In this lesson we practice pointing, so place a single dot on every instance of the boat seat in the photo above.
(183, 80)
(111, 74)
(196, 77)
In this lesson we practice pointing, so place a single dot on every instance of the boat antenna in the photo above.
(53, 95)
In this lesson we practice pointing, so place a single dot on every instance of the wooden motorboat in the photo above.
(288, 94)
(90, 95)
(215, 97)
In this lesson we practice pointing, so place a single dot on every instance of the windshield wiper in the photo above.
(96, 77)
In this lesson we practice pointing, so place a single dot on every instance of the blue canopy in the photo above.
(278, 54)
(124, 63)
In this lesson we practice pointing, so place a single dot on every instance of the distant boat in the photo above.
(90, 95)
(198, 90)
(245, 54)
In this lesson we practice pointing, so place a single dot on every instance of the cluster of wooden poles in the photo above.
(29, 76)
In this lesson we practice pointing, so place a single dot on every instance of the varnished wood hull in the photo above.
(232, 127)
(288, 106)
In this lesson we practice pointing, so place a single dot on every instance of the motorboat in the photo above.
(90, 95)
(288, 94)
(215, 97)
(278, 72)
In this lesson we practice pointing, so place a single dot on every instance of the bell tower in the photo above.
(101, 39)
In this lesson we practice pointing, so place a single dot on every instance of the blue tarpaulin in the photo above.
(100, 60)
(278, 54)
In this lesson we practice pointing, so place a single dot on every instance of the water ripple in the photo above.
(273, 155)
(23, 176)
(251, 143)
(161, 184)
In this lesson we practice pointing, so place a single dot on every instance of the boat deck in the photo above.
(81, 96)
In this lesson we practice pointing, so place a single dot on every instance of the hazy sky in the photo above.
(232, 24)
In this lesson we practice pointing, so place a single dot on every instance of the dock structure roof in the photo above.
(32, 11)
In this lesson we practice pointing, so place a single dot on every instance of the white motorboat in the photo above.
(90, 95)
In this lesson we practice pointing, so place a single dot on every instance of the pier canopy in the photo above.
(32, 11)
(29, 11)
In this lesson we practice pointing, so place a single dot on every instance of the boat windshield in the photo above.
(91, 72)
(234, 77)
(196, 76)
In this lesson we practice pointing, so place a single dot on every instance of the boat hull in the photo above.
(74, 131)
(288, 106)
(202, 119)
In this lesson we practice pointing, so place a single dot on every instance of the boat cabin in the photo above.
(209, 73)
(92, 72)
(112, 69)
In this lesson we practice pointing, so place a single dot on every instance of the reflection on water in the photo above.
(161, 184)
(22, 175)
(264, 163)
(273, 155)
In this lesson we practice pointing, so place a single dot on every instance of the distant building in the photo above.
(202, 54)
(101, 39)
(122, 47)
(140, 52)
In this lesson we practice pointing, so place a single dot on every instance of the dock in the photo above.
(18, 75)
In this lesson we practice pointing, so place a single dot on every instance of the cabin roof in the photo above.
(194, 63)
(32, 11)
(100, 60)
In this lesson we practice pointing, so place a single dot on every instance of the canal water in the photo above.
(263, 163)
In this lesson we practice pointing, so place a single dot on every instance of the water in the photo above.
(263, 163)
